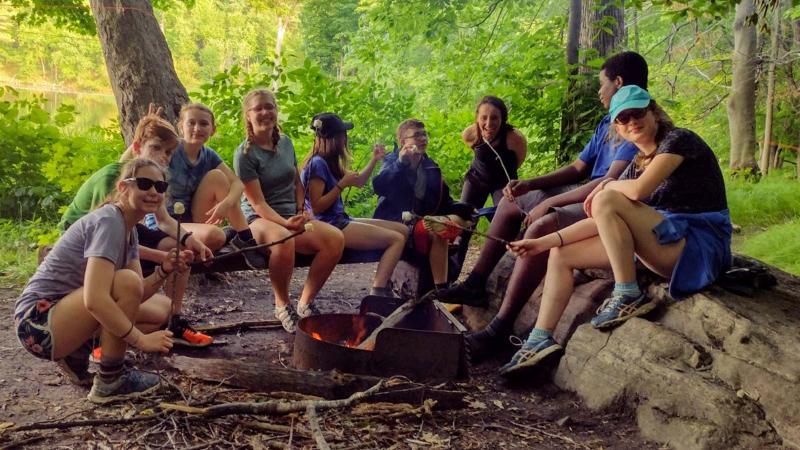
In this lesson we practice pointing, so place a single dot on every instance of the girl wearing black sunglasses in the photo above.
(668, 210)
(92, 280)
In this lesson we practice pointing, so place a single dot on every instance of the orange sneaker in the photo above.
(97, 354)
(184, 334)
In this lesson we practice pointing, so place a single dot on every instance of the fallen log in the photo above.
(259, 376)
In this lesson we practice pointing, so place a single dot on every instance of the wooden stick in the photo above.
(236, 326)
(394, 318)
(316, 430)
(450, 223)
(246, 249)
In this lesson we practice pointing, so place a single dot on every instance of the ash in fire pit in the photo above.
(427, 345)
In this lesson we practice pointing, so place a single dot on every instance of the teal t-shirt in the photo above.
(92, 193)
(275, 171)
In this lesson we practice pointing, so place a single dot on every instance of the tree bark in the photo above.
(600, 34)
(742, 103)
(767, 149)
(138, 61)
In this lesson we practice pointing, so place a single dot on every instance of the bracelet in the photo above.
(127, 332)
(160, 272)
(185, 237)
(340, 188)
(605, 182)
(561, 239)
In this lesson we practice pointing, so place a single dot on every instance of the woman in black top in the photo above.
(668, 210)
(499, 151)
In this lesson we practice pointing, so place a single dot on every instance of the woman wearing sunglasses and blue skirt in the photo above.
(668, 210)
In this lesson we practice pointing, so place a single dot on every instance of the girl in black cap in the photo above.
(325, 176)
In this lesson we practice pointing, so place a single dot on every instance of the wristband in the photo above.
(185, 237)
(605, 182)
(340, 188)
(160, 272)
(127, 332)
(561, 239)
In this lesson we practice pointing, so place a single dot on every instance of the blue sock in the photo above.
(628, 289)
(538, 334)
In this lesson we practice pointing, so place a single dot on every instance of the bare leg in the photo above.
(327, 242)
(626, 227)
(211, 235)
(281, 259)
(528, 272)
(213, 188)
(559, 282)
(71, 323)
(505, 225)
(365, 234)
(153, 313)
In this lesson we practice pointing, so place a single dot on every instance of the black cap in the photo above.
(328, 125)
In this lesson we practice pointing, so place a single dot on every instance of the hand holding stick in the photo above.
(307, 227)
(409, 216)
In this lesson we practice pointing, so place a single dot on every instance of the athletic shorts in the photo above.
(531, 199)
(33, 329)
(568, 214)
(150, 239)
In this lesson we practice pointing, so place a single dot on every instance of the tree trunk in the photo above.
(573, 33)
(742, 103)
(767, 149)
(601, 31)
(138, 61)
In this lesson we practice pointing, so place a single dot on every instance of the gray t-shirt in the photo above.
(100, 233)
(275, 171)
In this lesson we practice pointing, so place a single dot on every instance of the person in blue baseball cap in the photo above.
(668, 210)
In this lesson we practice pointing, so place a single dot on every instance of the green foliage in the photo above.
(27, 134)
(327, 31)
(777, 245)
(18, 243)
(774, 199)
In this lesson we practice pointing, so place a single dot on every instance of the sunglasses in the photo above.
(625, 116)
(144, 184)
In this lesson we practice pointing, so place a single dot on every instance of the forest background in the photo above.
(377, 62)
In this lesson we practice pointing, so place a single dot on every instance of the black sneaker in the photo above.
(75, 366)
(255, 259)
(462, 294)
(131, 384)
(482, 345)
(183, 334)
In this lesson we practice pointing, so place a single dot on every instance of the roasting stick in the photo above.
(508, 176)
(308, 227)
(394, 318)
(408, 216)
(179, 210)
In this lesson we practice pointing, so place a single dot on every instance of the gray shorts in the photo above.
(529, 201)
(568, 214)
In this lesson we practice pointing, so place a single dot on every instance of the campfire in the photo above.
(427, 345)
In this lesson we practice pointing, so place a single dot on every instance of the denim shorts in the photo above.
(33, 329)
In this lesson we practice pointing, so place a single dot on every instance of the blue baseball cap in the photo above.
(628, 97)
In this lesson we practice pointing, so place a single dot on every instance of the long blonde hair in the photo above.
(248, 127)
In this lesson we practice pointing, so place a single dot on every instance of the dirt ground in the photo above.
(531, 414)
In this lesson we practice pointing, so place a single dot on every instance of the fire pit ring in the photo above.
(428, 346)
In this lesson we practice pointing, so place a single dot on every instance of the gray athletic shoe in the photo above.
(131, 384)
(255, 259)
(304, 310)
(288, 317)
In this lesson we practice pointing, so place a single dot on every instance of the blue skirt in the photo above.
(707, 252)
